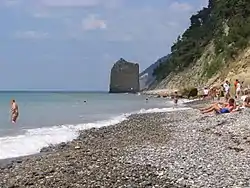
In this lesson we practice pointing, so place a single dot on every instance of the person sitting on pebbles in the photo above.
(221, 108)
(246, 102)
(246, 94)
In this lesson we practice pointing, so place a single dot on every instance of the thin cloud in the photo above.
(173, 24)
(41, 14)
(70, 3)
(81, 3)
(31, 34)
(92, 23)
(10, 3)
(181, 6)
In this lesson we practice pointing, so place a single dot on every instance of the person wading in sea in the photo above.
(14, 111)
(176, 97)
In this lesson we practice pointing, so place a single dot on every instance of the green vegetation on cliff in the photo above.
(225, 23)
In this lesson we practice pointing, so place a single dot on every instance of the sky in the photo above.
(73, 44)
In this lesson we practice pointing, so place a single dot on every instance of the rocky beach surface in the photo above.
(174, 149)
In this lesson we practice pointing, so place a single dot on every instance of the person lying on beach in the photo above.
(221, 108)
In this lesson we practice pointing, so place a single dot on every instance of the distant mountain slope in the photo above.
(147, 77)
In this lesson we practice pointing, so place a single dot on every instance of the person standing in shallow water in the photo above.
(14, 111)
(176, 97)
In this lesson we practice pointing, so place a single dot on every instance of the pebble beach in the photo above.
(170, 149)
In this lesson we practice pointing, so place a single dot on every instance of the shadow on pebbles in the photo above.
(175, 149)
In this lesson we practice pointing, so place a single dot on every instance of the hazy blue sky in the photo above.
(72, 44)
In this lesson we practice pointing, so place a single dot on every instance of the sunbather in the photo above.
(246, 102)
(246, 99)
(221, 108)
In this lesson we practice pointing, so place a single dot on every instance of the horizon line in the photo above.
(44, 90)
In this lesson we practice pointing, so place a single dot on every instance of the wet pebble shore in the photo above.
(175, 149)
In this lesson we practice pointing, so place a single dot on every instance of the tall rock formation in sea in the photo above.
(124, 77)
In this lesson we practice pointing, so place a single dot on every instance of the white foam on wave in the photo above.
(35, 139)
(183, 101)
(154, 110)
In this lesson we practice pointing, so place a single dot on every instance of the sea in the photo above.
(47, 118)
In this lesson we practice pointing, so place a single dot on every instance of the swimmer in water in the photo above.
(14, 111)
(176, 97)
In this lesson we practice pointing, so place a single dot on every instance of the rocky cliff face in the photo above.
(192, 76)
(124, 77)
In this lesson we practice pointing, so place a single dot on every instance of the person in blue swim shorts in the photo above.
(220, 109)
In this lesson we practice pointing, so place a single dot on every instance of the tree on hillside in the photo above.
(209, 24)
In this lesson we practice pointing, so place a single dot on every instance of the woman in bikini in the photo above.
(220, 108)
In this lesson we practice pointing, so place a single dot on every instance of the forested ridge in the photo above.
(225, 23)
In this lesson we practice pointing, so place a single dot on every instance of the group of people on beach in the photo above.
(224, 90)
(240, 100)
(238, 88)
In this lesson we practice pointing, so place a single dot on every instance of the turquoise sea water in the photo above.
(53, 117)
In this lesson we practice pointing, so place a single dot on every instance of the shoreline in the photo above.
(47, 149)
(96, 124)
(161, 149)
(87, 137)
